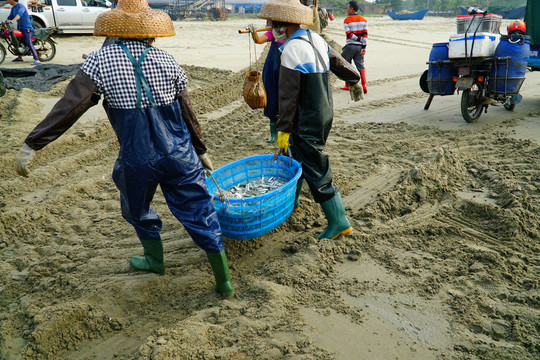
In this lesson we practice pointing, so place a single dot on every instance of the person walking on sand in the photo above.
(270, 74)
(356, 31)
(147, 104)
(19, 13)
(305, 104)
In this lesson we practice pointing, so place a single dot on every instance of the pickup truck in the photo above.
(67, 16)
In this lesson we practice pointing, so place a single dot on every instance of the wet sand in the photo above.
(442, 264)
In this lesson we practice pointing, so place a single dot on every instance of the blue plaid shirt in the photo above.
(114, 74)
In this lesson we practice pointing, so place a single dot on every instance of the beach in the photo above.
(443, 261)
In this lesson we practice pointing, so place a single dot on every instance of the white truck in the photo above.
(67, 16)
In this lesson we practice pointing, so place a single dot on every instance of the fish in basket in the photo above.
(254, 195)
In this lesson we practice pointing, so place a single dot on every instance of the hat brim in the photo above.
(287, 12)
(147, 24)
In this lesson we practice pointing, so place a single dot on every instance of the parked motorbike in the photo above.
(488, 80)
(476, 80)
(42, 41)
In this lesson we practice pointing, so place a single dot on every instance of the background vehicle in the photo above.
(67, 16)
(487, 67)
(532, 19)
(42, 41)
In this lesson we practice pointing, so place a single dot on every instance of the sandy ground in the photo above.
(443, 262)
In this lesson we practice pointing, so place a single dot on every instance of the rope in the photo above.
(221, 194)
(250, 40)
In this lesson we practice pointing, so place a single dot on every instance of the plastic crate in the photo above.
(251, 217)
(490, 23)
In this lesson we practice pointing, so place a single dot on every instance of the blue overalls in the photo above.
(270, 78)
(156, 148)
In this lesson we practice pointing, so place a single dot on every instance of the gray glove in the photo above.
(206, 162)
(251, 28)
(23, 158)
(356, 91)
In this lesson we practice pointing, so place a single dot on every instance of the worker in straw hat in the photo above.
(305, 104)
(146, 100)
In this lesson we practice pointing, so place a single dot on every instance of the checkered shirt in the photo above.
(114, 75)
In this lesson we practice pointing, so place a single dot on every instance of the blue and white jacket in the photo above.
(305, 96)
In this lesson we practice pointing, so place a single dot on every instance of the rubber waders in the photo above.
(337, 219)
(152, 259)
(273, 133)
(296, 205)
(219, 265)
(364, 81)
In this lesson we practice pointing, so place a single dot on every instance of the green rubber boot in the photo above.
(273, 133)
(152, 259)
(219, 265)
(299, 184)
(337, 219)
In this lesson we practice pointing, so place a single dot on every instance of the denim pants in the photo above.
(27, 35)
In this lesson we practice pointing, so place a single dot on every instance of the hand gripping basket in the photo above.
(251, 217)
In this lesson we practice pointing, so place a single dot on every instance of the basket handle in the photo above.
(281, 152)
(219, 189)
(220, 194)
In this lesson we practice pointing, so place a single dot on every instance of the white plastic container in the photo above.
(480, 23)
(481, 45)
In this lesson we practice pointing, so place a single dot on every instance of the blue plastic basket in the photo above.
(248, 218)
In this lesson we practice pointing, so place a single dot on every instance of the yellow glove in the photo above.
(283, 141)
(356, 91)
(23, 158)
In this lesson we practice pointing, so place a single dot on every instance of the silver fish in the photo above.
(255, 187)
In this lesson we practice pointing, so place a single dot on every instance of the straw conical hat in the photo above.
(134, 19)
(289, 11)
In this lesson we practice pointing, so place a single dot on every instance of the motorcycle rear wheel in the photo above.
(3, 53)
(45, 49)
(471, 103)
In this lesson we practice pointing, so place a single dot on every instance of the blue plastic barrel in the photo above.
(441, 71)
(511, 58)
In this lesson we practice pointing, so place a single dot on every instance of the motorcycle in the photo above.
(42, 41)
(489, 68)
(484, 81)
(475, 80)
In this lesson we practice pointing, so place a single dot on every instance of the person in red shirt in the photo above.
(356, 31)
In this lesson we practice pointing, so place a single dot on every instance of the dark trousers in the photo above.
(156, 150)
(352, 52)
(28, 34)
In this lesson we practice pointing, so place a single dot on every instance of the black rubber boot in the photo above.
(219, 265)
(152, 259)
(337, 219)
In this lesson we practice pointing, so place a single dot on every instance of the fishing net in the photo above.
(40, 78)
